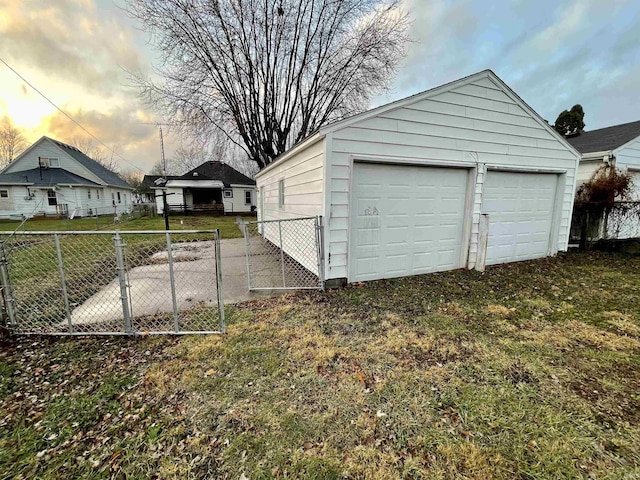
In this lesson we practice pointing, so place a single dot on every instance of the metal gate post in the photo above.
(284, 283)
(223, 325)
(319, 250)
(247, 246)
(63, 281)
(126, 312)
(172, 280)
(8, 292)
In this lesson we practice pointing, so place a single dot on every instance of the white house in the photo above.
(51, 178)
(408, 188)
(210, 187)
(617, 146)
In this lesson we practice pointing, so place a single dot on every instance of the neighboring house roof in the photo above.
(605, 139)
(45, 177)
(206, 172)
(104, 174)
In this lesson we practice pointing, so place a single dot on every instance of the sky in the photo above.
(554, 54)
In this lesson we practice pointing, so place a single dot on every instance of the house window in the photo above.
(247, 197)
(281, 193)
(228, 194)
(4, 193)
(51, 196)
(113, 198)
(119, 199)
(44, 162)
(54, 163)
(89, 194)
(98, 194)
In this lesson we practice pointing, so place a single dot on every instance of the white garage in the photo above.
(407, 220)
(405, 189)
(521, 210)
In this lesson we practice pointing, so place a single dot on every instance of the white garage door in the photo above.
(405, 220)
(521, 210)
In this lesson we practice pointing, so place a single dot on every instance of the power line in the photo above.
(70, 118)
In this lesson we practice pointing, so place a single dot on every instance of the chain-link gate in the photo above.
(129, 282)
(284, 254)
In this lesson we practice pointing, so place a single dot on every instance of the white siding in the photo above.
(48, 149)
(586, 169)
(628, 158)
(18, 204)
(76, 199)
(237, 203)
(303, 175)
(476, 123)
(175, 197)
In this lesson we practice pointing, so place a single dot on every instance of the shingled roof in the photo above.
(104, 174)
(208, 171)
(41, 177)
(605, 139)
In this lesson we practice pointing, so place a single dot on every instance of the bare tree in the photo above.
(96, 152)
(12, 143)
(268, 73)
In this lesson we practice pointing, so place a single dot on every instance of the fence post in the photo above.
(6, 284)
(172, 281)
(284, 283)
(319, 250)
(126, 312)
(247, 245)
(63, 281)
(223, 325)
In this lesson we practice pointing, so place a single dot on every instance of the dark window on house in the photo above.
(247, 197)
(228, 193)
(51, 196)
(4, 193)
(98, 194)
(113, 198)
(89, 194)
(119, 199)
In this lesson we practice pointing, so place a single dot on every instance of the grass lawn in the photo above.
(530, 371)
(226, 224)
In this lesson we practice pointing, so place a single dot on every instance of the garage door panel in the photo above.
(420, 216)
(521, 210)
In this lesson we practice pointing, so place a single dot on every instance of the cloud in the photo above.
(121, 129)
(552, 53)
(68, 40)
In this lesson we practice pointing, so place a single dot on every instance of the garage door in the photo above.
(405, 220)
(520, 208)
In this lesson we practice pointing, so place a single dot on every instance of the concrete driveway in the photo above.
(194, 273)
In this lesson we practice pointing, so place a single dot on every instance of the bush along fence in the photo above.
(605, 224)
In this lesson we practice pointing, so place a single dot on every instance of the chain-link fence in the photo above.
(593, 222)
(284, 254)
(97, 218)
(129, 282)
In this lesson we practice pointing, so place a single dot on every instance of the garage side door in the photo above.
(521, 211)
(405, 220)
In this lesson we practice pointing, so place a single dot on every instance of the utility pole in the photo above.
(165, 210)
